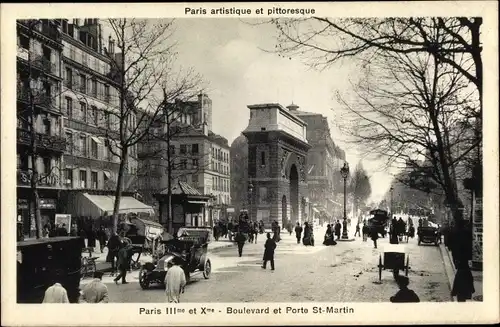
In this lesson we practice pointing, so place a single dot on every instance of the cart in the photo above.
(395, 258)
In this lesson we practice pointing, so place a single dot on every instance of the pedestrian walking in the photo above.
(56, 294)
(404, 295)
(463, 284)
(357, 230)
(95, 291)
(91, 238)
(269, 248)
(374, 236)
(175, 282)
(123, 263)
(101, 236)
(240, 241)
(114, 245)
(393, 231)
(366, 231)
(298, 232)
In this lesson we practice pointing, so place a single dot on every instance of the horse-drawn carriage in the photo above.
(144, 236)
(188, 250)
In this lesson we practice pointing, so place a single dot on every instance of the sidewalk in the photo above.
(451, 271)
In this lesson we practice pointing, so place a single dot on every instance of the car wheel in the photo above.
(143, 282)
(207, 269)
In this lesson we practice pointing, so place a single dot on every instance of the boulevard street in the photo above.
(346, 272)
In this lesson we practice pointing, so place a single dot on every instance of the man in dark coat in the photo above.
(269, 248)
(374, 236)
(123, 263)
(298, 232)
(114, 245)
(404, 295)
(240, 241)
(101, 236)
(338, 228)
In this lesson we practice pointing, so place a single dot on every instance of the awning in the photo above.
(96, 140)
(197, 202)
(102, 205)
(107, 174)
(315, 210)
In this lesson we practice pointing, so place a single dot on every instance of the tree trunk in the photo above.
(169, 185)
(119, 186)
(35, 198)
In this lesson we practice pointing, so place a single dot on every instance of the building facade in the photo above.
(324, 160)
(63, 82)
(39, 120)
(198, 157)
(90, 102)
(277, 163)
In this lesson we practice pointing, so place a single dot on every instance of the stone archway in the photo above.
(294, 193)
(284, 215)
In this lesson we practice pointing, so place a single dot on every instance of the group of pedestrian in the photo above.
(93, 292)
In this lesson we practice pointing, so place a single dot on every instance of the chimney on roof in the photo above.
(292, 107)
(111, 46)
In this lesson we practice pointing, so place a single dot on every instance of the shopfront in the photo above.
(25, 212)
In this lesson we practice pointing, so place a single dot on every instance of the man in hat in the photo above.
(95, 291)
(404, 295)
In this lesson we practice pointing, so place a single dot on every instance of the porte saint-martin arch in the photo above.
(277, 155)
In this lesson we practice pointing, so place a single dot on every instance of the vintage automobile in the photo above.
(378, 221)
(428, 234)
(188, 250)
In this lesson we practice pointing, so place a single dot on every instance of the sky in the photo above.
(227, 53)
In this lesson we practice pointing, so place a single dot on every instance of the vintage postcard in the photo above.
(249, 163)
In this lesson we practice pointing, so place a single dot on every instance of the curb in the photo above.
(448, 267)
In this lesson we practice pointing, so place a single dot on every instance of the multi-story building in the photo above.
(198, 157)
(38, 101)
(90, 100)
(324, 160)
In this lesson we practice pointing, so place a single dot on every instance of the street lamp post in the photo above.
(344, 171)
(250, 194)
(392, 207)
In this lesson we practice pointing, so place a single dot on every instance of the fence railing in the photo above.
(49, 142)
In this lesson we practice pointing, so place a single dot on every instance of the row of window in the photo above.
(220, 184)
(82, 180)
(85, 85)
(220, 168)
(219, 154)
(78, 145)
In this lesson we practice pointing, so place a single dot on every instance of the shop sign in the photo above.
(47, 204)
(22, 204)
(61, 219)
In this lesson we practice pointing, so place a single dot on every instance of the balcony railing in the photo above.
(44, 27)
(51, 179)
(43, 100)
(49, 142)
(37, 61)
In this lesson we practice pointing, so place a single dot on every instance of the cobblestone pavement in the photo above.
(346, 272)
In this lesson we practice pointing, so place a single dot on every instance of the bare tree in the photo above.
(323, 41)
(415, 110)
(143, 67)
(167, 129)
